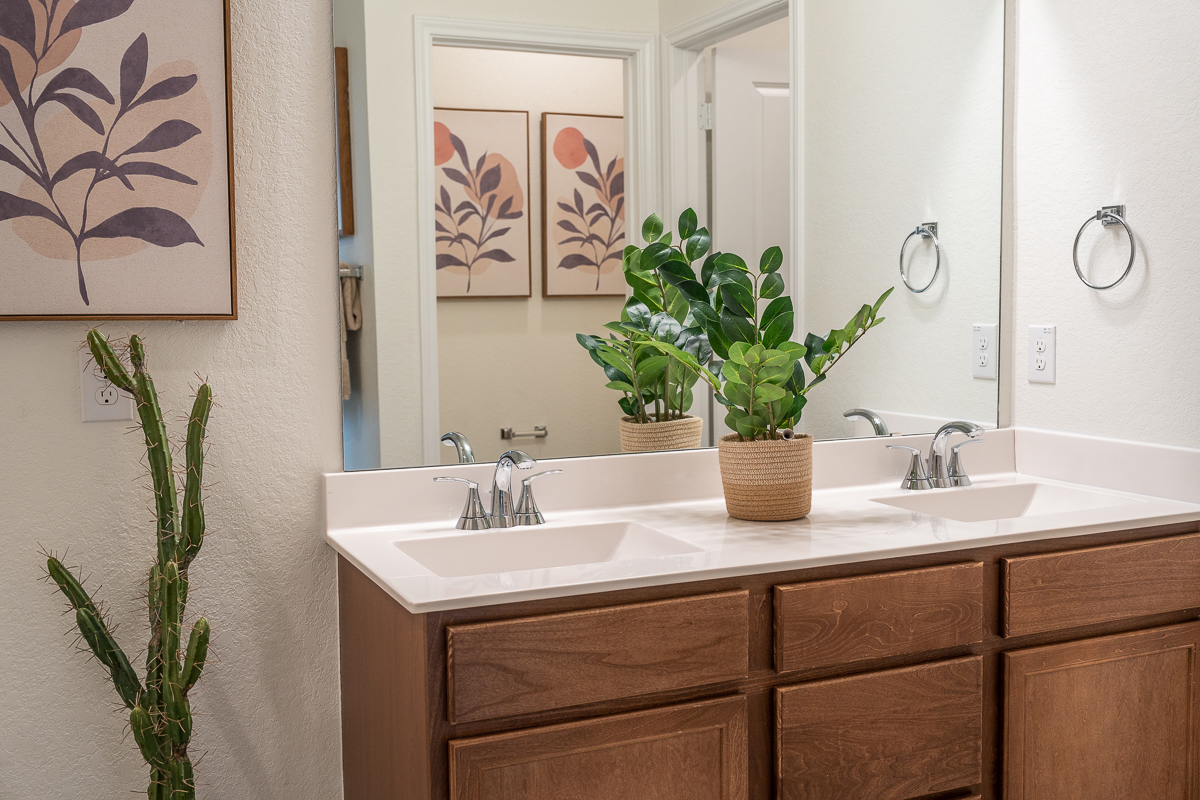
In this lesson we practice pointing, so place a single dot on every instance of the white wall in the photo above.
(521, 354)
(267, 706)
(1107, 100)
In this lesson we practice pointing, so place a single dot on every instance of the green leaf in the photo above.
(730, 371)
(690, 289)
(709, 270)
(718, 340)
(771, 261)
(675, 269)
(878, 303)
(676, 304)
(737, 352)
(737, 329)
(614, 360)
(771, 286)
(631, 259)
(735, 414)
(697, 245)
(751, 426)
(687, 224)
(728, 261)
(666, 239)
(703, 312)
(588, 342)
(620, 386)
(652, 228)
(795, 383)
(775, 358)
(794, 349)
(779, 331)
(639, 313)
(797, 407)
(776, 375)
(754, 355)
(665, 327)
(738, 299)
(655, 255)
(814, 346)
(651, 368)
(739, 393)
(776, 307)
(768, 393)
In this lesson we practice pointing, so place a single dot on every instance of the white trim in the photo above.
(641, 147)
(726, 22)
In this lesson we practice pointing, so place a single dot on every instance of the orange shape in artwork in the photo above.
(443, 149)
(568, 148)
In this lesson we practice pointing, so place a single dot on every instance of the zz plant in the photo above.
(160, 715)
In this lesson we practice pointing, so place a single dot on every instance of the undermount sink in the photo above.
(540, 547)
(985, 503)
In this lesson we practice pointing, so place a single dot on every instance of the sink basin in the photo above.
(984, 503)
(540, 547)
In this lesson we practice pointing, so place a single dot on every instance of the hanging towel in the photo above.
(351, 320)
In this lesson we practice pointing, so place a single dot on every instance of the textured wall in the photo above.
(267, 708)
(1107, 99)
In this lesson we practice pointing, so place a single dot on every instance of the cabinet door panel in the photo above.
(1113, 717)
(888, 735)
(696, 751)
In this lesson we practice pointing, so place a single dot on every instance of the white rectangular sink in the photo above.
(984, 503)
(540, 547)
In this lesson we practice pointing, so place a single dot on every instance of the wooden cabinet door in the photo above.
(696, 751)
(1113, 717)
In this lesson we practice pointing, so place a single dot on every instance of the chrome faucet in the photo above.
(461, 446)
(504, 510)
(881, 428)
(940, 471)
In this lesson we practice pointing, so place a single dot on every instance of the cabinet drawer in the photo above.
(885, 735)
(824, 623)
(1100, 584)
(696, 751)
(519, 666)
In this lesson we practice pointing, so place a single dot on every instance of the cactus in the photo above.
(160, 716)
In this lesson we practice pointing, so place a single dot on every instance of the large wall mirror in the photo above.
(864, 138)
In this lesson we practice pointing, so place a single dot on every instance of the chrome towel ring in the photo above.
(926, 230)
(1108, 216)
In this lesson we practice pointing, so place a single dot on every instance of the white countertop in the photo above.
(845, 526)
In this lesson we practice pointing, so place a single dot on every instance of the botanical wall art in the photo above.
(481, 213)
(115, 180)
(583, 194)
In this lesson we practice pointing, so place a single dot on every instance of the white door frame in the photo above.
(639, 51)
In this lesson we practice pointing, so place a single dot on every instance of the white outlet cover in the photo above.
(1042, 360)
(985, 351)
(95, 394)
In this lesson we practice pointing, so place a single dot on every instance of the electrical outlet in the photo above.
(99, 400)
(985, 351)
(1041, 354)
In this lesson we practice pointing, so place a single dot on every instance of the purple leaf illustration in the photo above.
(443, 239)
(591, 151)
(511, 215)
(463, 236)
(133, 69)
(445, 199)
(90, 12)
(467, 216)
(463, 206)
(456, 176)
(567, 226)
(446, 260)
(9, 78)
(568, 209)
(620, 205)
(573, 240)
(589, 179)
(158, 226)
(575, 260)
(9, 157)
(504, 207)
(167, 89)
(461, 149)
(80, 79)
(596, 208)
(491, 202)
(12, 207)
(147, 168)
(579, 202)
(90, 160)
(616, 254)
(490, 180)
(171, 133)
(479, 164)
(16, 23)
(618, 184)
(495, 255)
(439, 226)
(82, 111)
(608, 172)
(597, 218)
(495, 234)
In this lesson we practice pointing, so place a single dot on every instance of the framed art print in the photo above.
(481, 203)
(116, 180)
(583, 196)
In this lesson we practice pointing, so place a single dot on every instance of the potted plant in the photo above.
(766, 468)
(656, 383)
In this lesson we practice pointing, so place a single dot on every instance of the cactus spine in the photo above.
(160, 716)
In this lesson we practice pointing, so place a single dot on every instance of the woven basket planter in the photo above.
(672, 434)
(769, 480)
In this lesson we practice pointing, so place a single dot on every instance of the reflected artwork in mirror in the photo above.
(869, 162)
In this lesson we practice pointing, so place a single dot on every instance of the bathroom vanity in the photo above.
(870, 651)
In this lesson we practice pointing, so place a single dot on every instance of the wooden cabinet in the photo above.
(887, 735)
(696, 751)
(1111, 717)
(1046, 670)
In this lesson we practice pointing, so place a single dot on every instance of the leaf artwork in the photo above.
(471, 234)
(52, 188)
(589, 234)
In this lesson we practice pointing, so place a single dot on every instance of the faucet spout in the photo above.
(503, 507)
(460, 444)
(881, 428)
(939, 465)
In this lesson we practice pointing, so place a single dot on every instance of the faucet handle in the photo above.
(473, 516)
(917, 476)
(958, 474)
(527, 510)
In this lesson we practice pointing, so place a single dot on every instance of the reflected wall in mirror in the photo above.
(898, 123)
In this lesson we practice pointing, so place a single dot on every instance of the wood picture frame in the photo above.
(164, 246)
(572, 197)
(482, 174)
(341, 60)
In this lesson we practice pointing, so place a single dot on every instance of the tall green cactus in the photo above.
(160, 715)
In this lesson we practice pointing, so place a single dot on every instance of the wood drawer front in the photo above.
(696, 751)
(519, 666)
(1100, 584)
(888, 735)
(1113, 717)
(824, 623)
